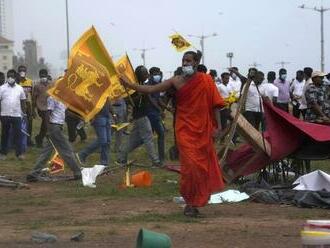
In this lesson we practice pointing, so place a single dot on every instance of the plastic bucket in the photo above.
(142, 179)
(149, 239)
(310, 239)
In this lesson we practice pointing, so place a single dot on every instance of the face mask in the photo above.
(11, 81)
(283, 76)
(44, 80)
(22, 74)
(157, 78)
(233, 76)
(188, 70)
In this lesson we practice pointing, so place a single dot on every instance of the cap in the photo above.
(318, 74)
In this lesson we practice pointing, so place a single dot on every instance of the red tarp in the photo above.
(285, 133)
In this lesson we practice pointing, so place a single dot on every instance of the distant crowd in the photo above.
(307, 96)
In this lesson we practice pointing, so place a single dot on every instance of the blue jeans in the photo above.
(102, 142)
(158, 127)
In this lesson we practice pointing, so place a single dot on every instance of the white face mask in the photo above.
(233, 76)
(283, 76)
(11, 81)
(157, 78)
(22, 74)
(188, 70)
(44, 80)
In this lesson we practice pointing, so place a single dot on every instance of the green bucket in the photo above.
(149, 239)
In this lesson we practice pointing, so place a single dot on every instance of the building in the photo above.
(6, 19)
(6, 54)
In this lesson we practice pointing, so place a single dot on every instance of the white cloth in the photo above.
(57, 108)
(315, 181)
(10, 97)
(303, 104)
(235, 86)
(253, 99)
(224, 90)
(268, 90)
(89, 175)
(226, 196)
(297, 89)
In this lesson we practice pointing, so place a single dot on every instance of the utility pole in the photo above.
(321, 10)
(230, 56)
(67, 29)
(282, 63)
(255, 65)
(143, 53)
(201, 41)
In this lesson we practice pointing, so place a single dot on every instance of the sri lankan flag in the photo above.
(91, 72)
(179, 43)
(123, 67)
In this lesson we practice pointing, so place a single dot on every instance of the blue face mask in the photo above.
(156, 78)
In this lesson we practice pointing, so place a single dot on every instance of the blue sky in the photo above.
(262, 31)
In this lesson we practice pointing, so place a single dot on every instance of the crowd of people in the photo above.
(197, 98)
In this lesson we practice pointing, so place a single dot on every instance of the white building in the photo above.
(6, 54)
(6, 19)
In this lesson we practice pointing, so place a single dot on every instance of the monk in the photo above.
(197, 124)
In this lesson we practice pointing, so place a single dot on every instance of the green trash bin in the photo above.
(149, 239)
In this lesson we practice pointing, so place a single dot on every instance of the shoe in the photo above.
(80, 159)
(32, 178)
(157, 165)
(193, 212)
(77, 177)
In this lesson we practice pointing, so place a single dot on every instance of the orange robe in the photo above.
(195, 123)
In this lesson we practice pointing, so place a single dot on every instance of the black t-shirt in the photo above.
(141, 103)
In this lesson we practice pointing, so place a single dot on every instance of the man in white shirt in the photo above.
(12, 99)
(308, 81)
(253, 104)
(296, 92)
(235, 83)
(55, 117)
(268, 89)
(224, 90)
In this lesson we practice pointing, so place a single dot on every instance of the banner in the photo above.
(179, 43)
(86, 85)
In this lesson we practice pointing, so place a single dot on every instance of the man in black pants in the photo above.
(75, 126)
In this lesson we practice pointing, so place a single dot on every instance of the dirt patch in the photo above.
(115, 222)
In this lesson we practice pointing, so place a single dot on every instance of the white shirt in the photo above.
(57, 108)
(297, 89)
(268, 90)
(235, 86)
(224, 90)
(303, 104)
(253, 99)
(10, 97)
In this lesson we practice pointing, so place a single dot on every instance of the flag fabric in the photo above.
(86, 85)
(179, 42)
(123, 67)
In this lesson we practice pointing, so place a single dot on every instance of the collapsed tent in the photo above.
(286, 136)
